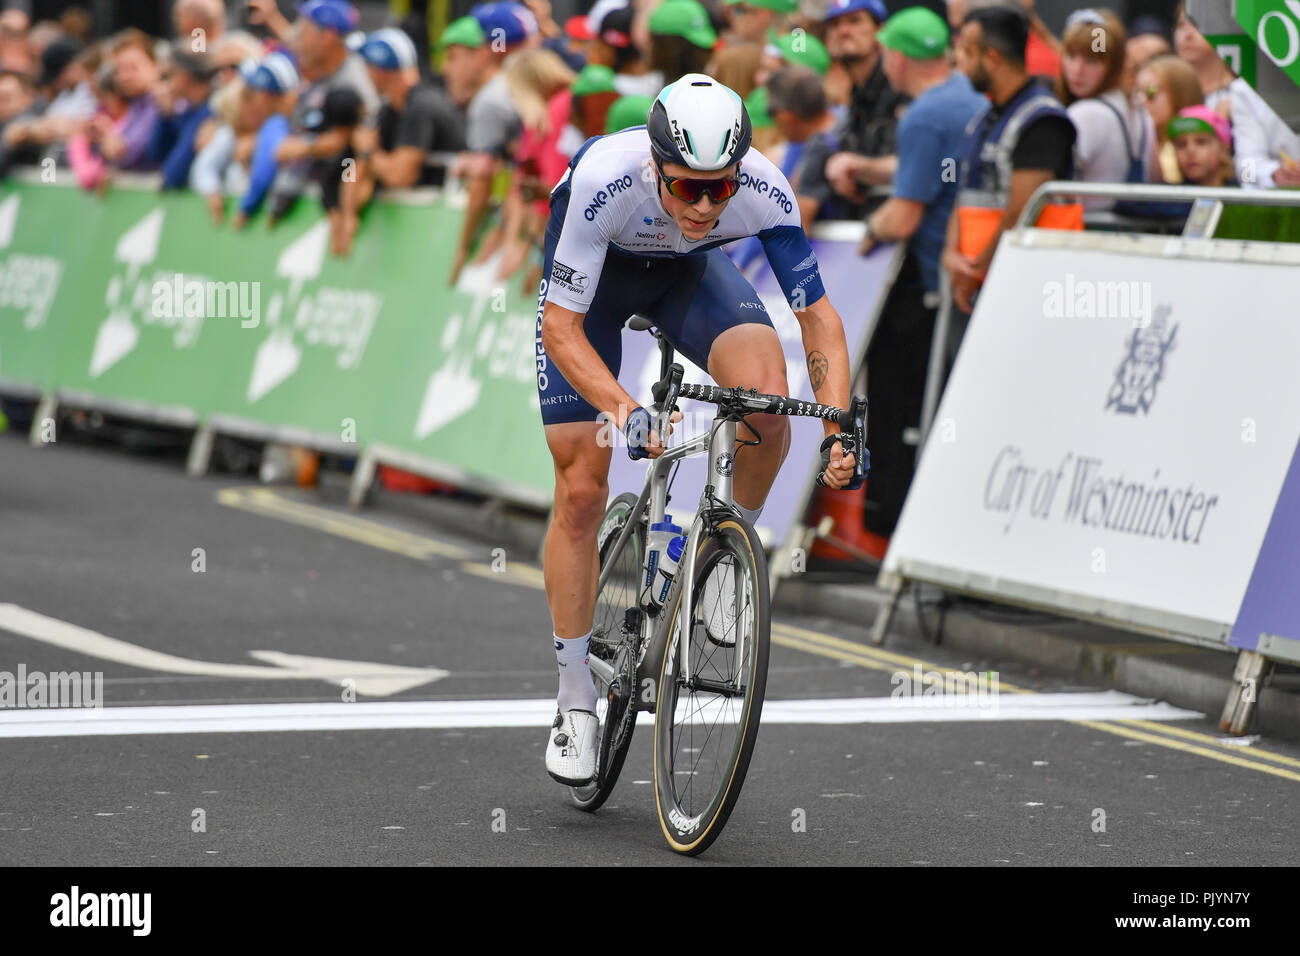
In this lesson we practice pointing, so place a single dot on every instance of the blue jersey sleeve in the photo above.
(767, 201)
(794, 263)
(262, 173)
(176, 165)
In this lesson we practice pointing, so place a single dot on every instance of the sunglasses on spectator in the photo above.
(743, 8)
(690, 190)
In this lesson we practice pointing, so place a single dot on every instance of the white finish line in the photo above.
(534, 713)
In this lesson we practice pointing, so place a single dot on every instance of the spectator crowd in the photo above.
(934, 132)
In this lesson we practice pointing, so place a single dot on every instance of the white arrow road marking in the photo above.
(374, 680)
(536, 713)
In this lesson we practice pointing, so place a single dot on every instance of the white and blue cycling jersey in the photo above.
(612, 251)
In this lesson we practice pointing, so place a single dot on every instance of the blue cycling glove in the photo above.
(637, 431)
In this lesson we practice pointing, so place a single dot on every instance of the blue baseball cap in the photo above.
(515, 21)
(840, 7)
(277, 73)
(390, 49)
(337, 15)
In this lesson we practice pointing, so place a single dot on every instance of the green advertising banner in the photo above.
(1274, 25)
(139, 298)
(1238, 52)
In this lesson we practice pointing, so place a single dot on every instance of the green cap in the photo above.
(803, 49)
(756, 105)
(594, 78)
(684, 18)
(628, 111)
(917, 33)
(463, 32)
(776, 6)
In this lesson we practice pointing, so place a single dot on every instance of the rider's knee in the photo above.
(580, 501)
(775, 430)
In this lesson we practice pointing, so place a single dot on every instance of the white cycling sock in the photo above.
(577, 690)
(750, 516)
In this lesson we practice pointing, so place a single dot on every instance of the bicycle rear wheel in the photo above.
(615, 637)
(706, 721)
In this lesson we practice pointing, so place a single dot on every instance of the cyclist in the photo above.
(635, 228)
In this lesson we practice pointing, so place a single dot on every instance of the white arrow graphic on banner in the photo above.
(139, 245)
(277, 359)
(374, 680)
(8, 219)
(118, 334)
(116, 337)
(451, 393)
(279, 356)
(304, 257)
(453, 390)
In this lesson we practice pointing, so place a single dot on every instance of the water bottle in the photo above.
(656, 549)
(668, 567)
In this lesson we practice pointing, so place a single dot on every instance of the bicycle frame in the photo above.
(719, 444)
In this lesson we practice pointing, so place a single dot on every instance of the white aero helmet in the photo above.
(699, 123)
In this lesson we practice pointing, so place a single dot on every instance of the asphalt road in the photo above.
(107, 541)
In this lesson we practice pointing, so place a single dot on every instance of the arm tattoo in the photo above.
(818, 366)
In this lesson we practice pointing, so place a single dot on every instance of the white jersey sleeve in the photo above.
(600, 201)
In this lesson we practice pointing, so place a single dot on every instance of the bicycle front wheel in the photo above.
(711, 684)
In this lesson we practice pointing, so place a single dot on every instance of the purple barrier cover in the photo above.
(1271, 607)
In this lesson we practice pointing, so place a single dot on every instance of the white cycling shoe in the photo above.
(719, 610)
(571, 749)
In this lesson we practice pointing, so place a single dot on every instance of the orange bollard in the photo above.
(846, 509)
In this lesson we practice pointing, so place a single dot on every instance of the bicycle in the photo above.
(707, 683)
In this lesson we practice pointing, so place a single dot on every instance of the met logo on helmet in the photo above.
(733, 140)
(680, 138)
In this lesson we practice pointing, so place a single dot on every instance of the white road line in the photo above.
(534, 713)
(375, 680)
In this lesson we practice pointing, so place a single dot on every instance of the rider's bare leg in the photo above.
(570, 564)
(750, 356)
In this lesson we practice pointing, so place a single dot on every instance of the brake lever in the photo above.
(854, 423)
(853, 441)
(665, 394)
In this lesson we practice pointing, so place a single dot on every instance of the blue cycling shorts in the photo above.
(693, 299)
